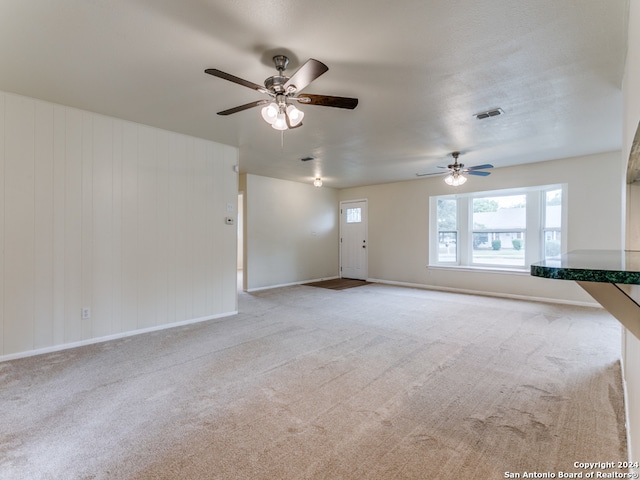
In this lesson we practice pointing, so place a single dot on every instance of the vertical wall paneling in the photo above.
(122, 218)
(101, 219)
(179, 207)
(163, 219)
(2, 182)
(129, 231)
(59, 154)
(43, 225)
(200, 211)
(188, 233)
(215, 219)
(19, 224)
(228, 243)
(73, 226)
(87, 221)
(148, 228)
(116, 229)
(171, 233)
(209, 214)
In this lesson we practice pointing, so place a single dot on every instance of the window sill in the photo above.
(469, 268)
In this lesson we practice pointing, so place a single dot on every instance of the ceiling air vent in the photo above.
(307, 159)
(489, 113)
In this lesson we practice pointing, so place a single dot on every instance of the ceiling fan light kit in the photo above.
(280, 113)
(294, 115)
(270, 113)
(455, 179)
(455, 176)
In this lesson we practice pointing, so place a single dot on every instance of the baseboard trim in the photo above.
(91, 341)
(269, 287)
(486, 294)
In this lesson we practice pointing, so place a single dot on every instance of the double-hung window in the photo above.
(505, 229)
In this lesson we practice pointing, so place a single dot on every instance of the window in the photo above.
(447, 230)
(552, 223)
(499, 229)
(354, 215)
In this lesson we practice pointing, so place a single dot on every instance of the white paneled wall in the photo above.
(122, 218)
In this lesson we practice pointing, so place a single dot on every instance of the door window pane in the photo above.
(354, 215)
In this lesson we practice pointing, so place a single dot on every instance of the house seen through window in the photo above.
(499, 229)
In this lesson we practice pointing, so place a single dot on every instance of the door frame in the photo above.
(366, 231)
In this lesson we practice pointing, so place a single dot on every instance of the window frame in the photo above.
(534, 231)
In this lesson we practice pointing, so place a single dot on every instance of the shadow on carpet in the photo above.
(338, 283)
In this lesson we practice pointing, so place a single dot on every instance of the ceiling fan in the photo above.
(456, 170)
(284, 91)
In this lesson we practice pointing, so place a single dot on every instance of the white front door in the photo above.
(353, 239)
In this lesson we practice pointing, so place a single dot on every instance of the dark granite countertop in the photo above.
(604, 266)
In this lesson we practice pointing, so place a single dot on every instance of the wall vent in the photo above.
(489, 113)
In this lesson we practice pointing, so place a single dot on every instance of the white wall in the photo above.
(291, 232)
(399, 224)
(119, 217)
(631, 345)
(240, 231)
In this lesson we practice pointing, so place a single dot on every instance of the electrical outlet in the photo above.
(86, 313)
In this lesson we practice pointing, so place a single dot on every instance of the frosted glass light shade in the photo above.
(280, 122)
(295, 115)
(455, 179)
(270, 113)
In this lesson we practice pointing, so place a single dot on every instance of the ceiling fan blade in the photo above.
(306, 74)
(475, 172)
(429, 174)
(243, 107)
(328, 101)
(480, 167)
(232, 78)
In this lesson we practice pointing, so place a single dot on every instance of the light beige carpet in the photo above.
(375, 382)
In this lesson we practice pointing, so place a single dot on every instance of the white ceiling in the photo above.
(420, 68)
